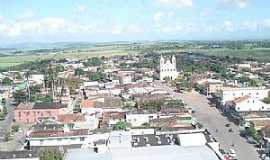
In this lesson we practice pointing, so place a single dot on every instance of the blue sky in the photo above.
(129, 20)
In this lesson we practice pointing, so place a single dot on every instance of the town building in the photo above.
(31, 113)
(124, 145)
(168, 68)
(230, 94)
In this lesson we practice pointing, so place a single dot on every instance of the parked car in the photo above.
(232, 153)
(228, 125)
(250, 140)
(230, 130)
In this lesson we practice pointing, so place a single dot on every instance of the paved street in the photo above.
(6, 124)
(211, 118)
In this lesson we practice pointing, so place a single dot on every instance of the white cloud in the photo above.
(236, 3)
(250, 26)
(178, 3)
(157, 17)
(117, 29)
(133, 28)
(228, 26)
(28, 14)
(12, 28)
(266, 23)
(81, 8)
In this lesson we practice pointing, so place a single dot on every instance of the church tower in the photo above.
(161, 61)
(167, 68)
(174, 61)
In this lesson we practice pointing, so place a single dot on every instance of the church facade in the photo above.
(168, 68)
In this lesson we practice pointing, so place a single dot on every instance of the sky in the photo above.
(132, 20)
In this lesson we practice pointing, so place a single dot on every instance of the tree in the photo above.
(96, 76)
(20, 96)
(51, 154)
(7, 81)
(121, 125)
(95, 61)
(266, 100)
(15, 128)
(199, 125)
(3, 101)
(79, 72)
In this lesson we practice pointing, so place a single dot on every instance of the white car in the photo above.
(232, 153)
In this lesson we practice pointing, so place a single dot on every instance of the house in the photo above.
(33, 112)
(125, 78)
(249, 104)
(137, 120)
(210, 85)
(53, 134)
(229, 94)
(87, 106)
(183, 122)
(79, 121)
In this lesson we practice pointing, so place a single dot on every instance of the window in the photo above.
(82, 138)
(19, 114)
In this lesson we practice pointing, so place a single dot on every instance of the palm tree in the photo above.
(52, 79)
(45, 80)
(27, 75)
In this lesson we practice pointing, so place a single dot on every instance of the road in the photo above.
(6, 124)
(212, 119)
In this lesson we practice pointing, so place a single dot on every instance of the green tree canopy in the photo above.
(7, 81)
(121, 125)
(51, 154)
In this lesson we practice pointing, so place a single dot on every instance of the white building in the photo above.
(230, 94)
(137, 120)
(247, 104)
(168, 68)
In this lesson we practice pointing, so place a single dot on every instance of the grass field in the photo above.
(8, 61)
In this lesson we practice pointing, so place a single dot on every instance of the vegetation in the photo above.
(96, 76)
(79, 72)
(266, 100)
(7, 81)
(252, 132)
(4, 113)
(95, 61)
(15, 128)
(158, 104)
(120, 125)
(51, 154)
(199, 125)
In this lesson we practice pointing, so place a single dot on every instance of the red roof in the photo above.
(69, 118)
(87, 103)
(241, 99)
(77, 132)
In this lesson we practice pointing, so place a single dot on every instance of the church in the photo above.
(168, 68)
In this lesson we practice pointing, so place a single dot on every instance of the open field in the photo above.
(8, 61)
(86, 51)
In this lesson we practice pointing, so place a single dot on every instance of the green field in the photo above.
(8, 61)
(12, 60)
